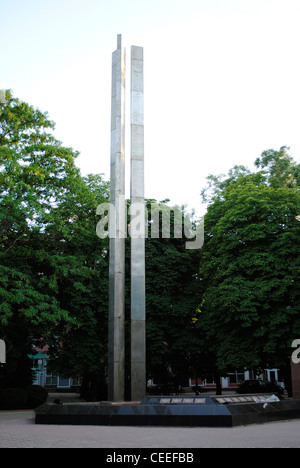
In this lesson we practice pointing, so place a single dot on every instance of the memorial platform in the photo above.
(202, 411)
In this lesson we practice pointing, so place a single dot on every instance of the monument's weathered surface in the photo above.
(138, 315)
(116, 338)
(116, 332)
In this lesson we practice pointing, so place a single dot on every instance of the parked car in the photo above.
(260, 386)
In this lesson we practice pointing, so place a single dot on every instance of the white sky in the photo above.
(222, 80)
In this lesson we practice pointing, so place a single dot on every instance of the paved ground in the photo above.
(17, 430)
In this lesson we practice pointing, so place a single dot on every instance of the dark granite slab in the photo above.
(172, 411)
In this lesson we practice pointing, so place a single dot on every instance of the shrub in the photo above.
(37, 395)
(13, 398)
(20, 398)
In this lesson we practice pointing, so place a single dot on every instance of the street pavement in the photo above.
(18, 430)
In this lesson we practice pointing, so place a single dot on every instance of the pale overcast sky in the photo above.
(222, 80)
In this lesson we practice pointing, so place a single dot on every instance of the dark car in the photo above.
(260, 386)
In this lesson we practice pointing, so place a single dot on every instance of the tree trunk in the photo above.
(217, 379)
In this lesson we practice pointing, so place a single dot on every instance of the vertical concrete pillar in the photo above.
(137, 223)
(116, 327)
(295, 372)
(2, 352)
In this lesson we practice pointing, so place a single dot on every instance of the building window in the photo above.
(51, 380)
(236, 377)
(64, 382)
(76, 381)
(210, 380)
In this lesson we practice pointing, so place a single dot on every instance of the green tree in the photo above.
(172, 299)
(45, 208)
(54, 268)
(281, 170)
(81, 347)
(250, 266)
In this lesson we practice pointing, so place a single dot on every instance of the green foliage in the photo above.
(250, 266)
(281, 170)
(21, 398)
(13, 398)
(36, 396)
(51, 261)
(36, 172)
(172, 298)
(239, 309)
(54, 269)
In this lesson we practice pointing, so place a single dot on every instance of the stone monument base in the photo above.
(295, 371)
(203, 411)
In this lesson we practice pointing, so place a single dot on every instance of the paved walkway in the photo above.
(17, 430)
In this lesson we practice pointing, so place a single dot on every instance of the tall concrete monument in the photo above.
(118, 231)
(116, 319)
(138, 316)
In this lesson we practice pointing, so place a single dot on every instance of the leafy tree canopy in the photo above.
(49, 253)
(250, 264)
